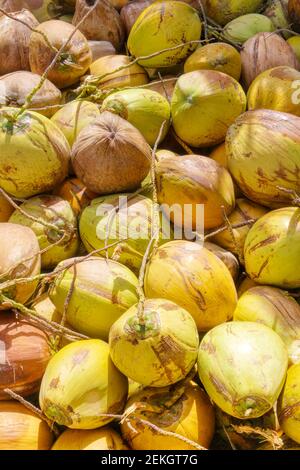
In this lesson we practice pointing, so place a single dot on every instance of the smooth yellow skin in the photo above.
(103, 291)
(21, 429)
(204, 104)
(294, 42)
(272, 249)
(244, 27)
(223, 11)
(242, 366)
(81, 384)
(191, 276)
(277, 310)
(161, 356)
(131, 76)
(163, 25)
(243, 211)
(34, 157)
(218, 56)
(274, 89)
(289, 408)
(57, 211)
(146, 110)
(74, 117)
(94, 439)
(184, 409)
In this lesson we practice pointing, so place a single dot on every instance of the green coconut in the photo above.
(146, 110)
(125, 219)
(103, 291)
(158, 350)
(244, 27)
(164, 25)
(272, 249)
(223, 11)
(57, 212)
(274, 308)
(242, 366)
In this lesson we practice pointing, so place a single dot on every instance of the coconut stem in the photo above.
(294, 195)
(183, 144)
(204, 19)
(30, 27)
(225, 227)
(237, 246)
(34, 410)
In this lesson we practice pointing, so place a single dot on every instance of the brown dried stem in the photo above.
(225, 227)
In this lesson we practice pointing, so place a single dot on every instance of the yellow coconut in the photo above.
(81, 385)
(164, 25)
(191, 276)
(74, 117)
(184, 409)
(46, 309)
(165, 86)
(245, 285)
(76, 193)
(204, 104)
(103, 291)
(95, 439)
(146, 110)
(21, 429)
(278, 89)
(34, 154)
(223, 11)
(294, 42)
(157, 346)
(257, 145)
(244, 211)
(272, 249)
(19, 258)
(276, 309)
(218, 56)
(124, 219)
(228, 258)
(219, 155)
(106, 67)
(196, 181)
(289, 407)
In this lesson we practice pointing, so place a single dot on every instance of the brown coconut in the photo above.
(101, 49)
(130, 13)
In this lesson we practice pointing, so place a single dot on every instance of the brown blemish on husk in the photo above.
(267, 241)
(220, 388)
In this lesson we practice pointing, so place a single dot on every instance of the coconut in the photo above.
(165, 86)
(223, 11)
(14, 45)
(34, 154)
(242, 366)
(104, 14)
(218, 56)
(111, 155)
(57, 212)
(194, 180)
(128, 76)
(244, 210)
(43, 10)
(184, 409)
(21, 429)
(228, 258)
(190, 275)
(76, 193)
(275, 89)
(277, 11)
(289, 407)
(158, 349)
(294, 14)
(19, 258)
(81, 385)
(103, 291)
(46, 309)
(72, 63)
(24, 355)
(245, 285)
(105, 438)
(66, 18)
(6, 209)
(16, 86)
(218, 154)
(272, 249)
(265, 51)
(274, 308)
(294, 42)
(244, 27)
(146, 110)
(131, 12)
(204, 104)
(125, 219)
(74, 117)
(257, 145)
(101, 49)
(163, 25)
